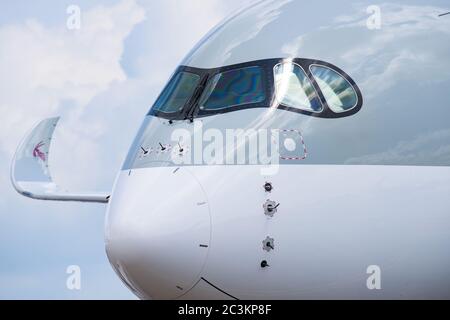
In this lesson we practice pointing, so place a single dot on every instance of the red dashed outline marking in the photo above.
(305, 151)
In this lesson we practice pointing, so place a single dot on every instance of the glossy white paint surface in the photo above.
(333, 220)
(155, 227)
(332, 223)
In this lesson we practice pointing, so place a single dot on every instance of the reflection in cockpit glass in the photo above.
(177, 92)
(233, 88)
(338, 92)
(294, 89)
(305, 86)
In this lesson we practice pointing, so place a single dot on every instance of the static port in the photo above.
(268, 186)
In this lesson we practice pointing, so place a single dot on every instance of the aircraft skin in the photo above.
(353, 187)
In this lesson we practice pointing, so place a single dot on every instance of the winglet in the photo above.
(30, 173)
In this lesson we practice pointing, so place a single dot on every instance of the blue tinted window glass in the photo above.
(233, 88)
(177, 92)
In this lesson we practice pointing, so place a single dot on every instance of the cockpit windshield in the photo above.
(336, 89)
(305, 86)
(294, 89)
(177, 92)
(233, 88)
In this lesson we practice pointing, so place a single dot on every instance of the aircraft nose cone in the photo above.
(157, 231)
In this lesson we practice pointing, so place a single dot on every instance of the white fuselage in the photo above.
(197, 232)
(356, 115)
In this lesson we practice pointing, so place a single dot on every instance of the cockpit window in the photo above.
(177, 92)
(338, 92)
(233, 88)
(306, 86)
(294, 89)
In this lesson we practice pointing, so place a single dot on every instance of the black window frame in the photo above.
(268, 80)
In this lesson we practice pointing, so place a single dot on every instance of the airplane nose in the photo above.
(158, 230)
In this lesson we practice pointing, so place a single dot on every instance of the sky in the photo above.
(101, 79)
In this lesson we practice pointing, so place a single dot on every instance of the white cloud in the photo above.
(401, 48)
(55, 71)
(51, 71)
(47, 71)
(42, 67)
(380, 59)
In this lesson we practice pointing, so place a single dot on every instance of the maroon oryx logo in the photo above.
(37, 153)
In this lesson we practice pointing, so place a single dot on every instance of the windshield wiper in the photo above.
(193, 101)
